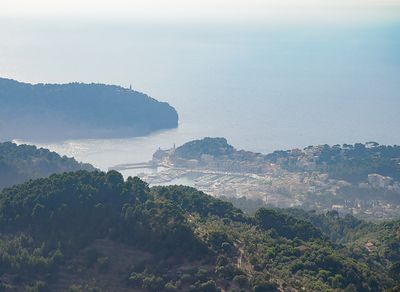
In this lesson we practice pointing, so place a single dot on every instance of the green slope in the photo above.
(86, 231)
(19, 163)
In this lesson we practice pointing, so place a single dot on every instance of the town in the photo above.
(230, 173)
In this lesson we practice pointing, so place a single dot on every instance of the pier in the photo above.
(139, 165)
(133, 166)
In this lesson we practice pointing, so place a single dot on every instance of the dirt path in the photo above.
(242, 261)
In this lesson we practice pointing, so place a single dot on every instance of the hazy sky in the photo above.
(201, 9)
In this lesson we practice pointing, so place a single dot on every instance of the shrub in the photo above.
(241, 280)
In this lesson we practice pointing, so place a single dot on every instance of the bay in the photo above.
(263, 86)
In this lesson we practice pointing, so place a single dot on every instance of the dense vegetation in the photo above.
(216, 147)
(352, 163)
(19, 163)
(85, 230)
(75, 110)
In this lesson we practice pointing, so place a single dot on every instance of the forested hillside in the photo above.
(77, 110)
(19, 163)
(216, 147)
(352, 163)
(93, 231)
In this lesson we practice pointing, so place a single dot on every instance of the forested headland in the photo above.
(78, 110)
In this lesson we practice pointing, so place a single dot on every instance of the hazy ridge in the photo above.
(77, 110)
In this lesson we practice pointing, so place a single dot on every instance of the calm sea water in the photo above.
(263, 87)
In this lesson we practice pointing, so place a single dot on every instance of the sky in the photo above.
(202, 9)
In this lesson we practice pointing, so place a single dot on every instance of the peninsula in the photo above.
(77, 110)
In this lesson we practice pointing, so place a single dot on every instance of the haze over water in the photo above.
(264, 85)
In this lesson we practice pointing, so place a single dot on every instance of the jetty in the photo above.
(150, 164)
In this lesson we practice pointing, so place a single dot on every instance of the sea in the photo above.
(263, 86)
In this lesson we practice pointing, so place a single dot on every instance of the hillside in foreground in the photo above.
(94, 231)
(78, 110)
(20, 163)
